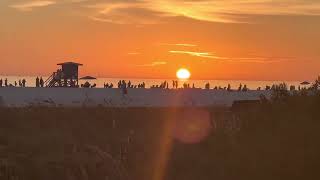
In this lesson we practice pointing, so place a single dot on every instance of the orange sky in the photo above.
(225, 39)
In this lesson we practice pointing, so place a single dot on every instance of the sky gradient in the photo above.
(214, 39)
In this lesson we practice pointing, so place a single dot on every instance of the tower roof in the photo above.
(70, 63)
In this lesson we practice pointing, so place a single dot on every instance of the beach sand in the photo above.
(93, 97)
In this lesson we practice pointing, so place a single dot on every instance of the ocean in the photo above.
(31, 81)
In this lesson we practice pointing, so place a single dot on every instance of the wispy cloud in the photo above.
(156, 63)
(178, 44)
(156, 11)
(124, 12)
(197, 54)
(231, 10)
(30, 5)
(227, 11)
(133, 53)
(215, 57)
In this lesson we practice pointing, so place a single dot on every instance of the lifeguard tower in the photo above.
(66, 76)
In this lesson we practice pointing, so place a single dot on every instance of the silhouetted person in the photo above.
(42, 82)
(6, 82)
(37, 82)
(245, 88)
(124, 87)
(20, 83)
(240, 87)
(207, 86)
(86, 84)
(24, 83)
(1, 83)
(15, 84)
(292, 88)
(119, 83)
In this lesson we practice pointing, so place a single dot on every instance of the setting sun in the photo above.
(183, 74)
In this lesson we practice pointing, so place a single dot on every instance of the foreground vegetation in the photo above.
(277, 139)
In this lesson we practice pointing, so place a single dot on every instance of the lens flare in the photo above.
(193, 126)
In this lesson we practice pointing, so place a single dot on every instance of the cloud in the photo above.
(153, 64)
(133, 53)
(131, 12)
(231, 10)
(227, 11)
(197, 54)
(28, 6)
(159, 11)
(254, 59)
(180, 44)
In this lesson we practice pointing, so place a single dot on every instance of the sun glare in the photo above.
(183, 74)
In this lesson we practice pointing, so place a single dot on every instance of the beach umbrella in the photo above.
(88, 78)
(305, 83)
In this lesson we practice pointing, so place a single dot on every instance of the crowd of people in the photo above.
(20, 83)
(124, 85)
(163, 85)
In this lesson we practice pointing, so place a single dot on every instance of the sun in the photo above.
(183, 74)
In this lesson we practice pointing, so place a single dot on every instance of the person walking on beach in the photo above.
(207, 86)
(15, 84)
(41, 82)
(6, 82)
(119, 84)
(37, 82)
(20, 84)
(229, 87)
(24, 83)
(124, 88)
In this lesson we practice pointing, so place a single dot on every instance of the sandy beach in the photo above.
(74, 97)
